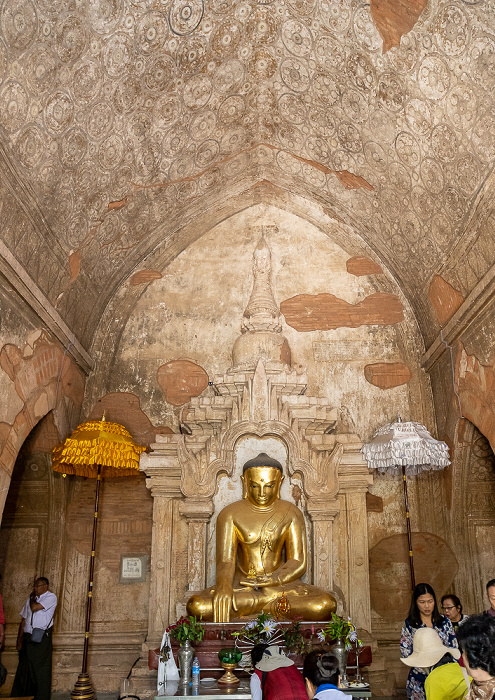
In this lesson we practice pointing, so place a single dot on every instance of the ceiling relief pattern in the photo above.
(122, 119)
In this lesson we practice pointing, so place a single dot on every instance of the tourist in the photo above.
(446, 680)
(275, 676)
(452, 608)
(490, 591)
(34, 671)
(477, 642)
(423, 613)
(322, 676)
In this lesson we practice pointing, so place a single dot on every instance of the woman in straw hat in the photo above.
(446, 680)
(275, 676)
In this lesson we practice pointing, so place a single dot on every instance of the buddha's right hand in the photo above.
(222, 602)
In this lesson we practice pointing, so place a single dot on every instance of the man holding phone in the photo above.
(34, 644)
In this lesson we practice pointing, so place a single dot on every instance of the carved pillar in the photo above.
(354, 480)
(359, 576)
(322, 514)
(197, 513)
(163, 479)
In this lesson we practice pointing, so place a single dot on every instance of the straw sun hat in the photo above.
(273, 657)
(428, 649)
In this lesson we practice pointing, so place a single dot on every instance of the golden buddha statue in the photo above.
(253, 536)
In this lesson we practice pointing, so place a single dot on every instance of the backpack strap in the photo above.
(466, 678)
(263, 681)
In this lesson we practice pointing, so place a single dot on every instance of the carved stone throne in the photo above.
(259, 397)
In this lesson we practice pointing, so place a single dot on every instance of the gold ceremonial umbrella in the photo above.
(95, 449)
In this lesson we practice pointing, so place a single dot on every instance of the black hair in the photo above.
(454, 599)
(257, 652)
(446, 659)
(262, 460)
(490, 583)
(44, 580)
(414, 616)
(321, 667)
(476, 638)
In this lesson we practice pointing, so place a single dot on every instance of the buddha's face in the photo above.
(262, 485)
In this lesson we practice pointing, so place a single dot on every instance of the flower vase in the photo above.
(185, 656)
(339, 650)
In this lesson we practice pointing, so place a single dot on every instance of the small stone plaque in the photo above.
(133, 568)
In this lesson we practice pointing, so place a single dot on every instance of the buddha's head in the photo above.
(262, 478)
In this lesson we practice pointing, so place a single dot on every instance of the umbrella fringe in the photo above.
(98, 443)
(410, 446)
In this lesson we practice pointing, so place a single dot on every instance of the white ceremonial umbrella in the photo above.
(406, 448)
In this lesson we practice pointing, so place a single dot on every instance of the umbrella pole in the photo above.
(83, 687)
(408, 525)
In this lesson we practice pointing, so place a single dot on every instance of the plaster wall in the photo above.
(194, 311)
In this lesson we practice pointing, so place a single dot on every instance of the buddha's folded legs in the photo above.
(307, 602)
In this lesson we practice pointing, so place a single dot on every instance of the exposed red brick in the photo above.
(351, 181)
(10, 358)
(74, 265)
(144, 276)
(386, 375)
(180, 380)
(285, 353)
(374, 504)
(125, 408)
(323, 312)
(118, 205)
(444, 299)
(314, 163)
(44, 435)
(476, 388)
(4, 434)
(360, 265)
(41, 367)
(393, 18)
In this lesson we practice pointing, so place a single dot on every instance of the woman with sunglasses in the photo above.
(452, 608)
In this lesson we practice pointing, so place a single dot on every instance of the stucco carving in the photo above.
(258, 401)
(159, 107)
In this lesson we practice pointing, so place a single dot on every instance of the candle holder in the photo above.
(229, 658)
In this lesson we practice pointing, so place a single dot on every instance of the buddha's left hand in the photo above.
(266, 582)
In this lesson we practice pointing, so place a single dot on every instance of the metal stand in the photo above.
(83, 689)
(408, 525)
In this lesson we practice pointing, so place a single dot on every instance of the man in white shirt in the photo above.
(34, 671)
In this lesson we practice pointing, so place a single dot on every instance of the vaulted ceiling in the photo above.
(130, 126)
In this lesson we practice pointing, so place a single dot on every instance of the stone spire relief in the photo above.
(261, 329)
(262, 313)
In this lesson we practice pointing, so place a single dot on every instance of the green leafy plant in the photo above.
(187, 628)
(293, 637)
(338, 628)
